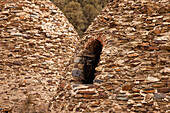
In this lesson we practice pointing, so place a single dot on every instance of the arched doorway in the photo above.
(89, 59)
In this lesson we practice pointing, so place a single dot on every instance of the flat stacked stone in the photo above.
(36, 45)
(134, 68)
(132, 75)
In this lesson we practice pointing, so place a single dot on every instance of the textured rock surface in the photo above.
(36, 45)
(133, 72)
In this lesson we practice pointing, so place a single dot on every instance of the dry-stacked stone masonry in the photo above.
(36, 45)
(125, 50)
(133, 74)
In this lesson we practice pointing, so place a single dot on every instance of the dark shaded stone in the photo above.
(22, 85)
(17, 63)
(49, 81)
(164, 90)
(76, 73)
(159, 95)
(2, 78)
(165, 47)
(70, 107)
(87, 92)
(98, 81)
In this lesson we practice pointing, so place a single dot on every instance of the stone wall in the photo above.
(36, 45)
(134, 68)
(37, 48)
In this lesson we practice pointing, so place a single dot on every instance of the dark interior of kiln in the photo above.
(94, 48)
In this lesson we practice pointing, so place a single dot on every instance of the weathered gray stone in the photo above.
(159, 95)
(76, 72)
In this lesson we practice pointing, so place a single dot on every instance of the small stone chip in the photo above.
(76, 73)
(77, 59)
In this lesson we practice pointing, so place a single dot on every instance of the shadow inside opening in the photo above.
(91, 60)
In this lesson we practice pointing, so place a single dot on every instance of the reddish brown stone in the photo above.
(145, 44)
(136, 95)
(127, 87)
(89, 96)
(117, 70)
(130, 37)
(106, 84)
(68, 87)
(135, 90)
(22, 17)
(102, 95)
(107, 78)
(87, 92)
(83, 106)
(133, 55)
(153, 48)
(158, 85)
(148, 22)
(149, 91)
(165, 47)
(95, 104)
(7, 110)
(168, 84)
(142, 109)
(62, 85)
(165, 80)
(157, 31)
(164, 90)
(162, 31)
(123, 41)
(109, 87)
